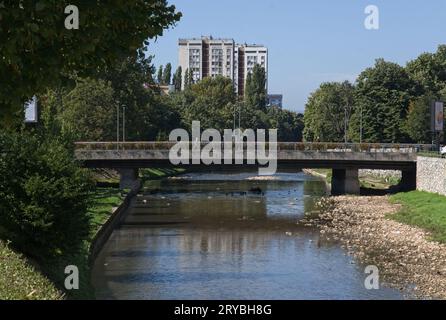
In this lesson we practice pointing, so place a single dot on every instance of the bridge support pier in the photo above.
(408, 180)
(345, 181)
(129, 178)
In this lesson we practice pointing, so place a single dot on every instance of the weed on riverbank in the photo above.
(424, 210)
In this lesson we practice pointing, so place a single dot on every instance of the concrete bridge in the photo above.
(344, 159)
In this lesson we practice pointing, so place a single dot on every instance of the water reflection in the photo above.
(226, 236)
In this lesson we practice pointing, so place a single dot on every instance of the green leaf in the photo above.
(40, 6)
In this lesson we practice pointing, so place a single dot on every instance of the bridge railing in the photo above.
(281, 146)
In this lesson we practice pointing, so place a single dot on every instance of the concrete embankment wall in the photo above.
(107, 229)
(431, 175)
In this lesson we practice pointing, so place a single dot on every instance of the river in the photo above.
(227, 236)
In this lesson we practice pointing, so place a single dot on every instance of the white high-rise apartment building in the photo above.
(209, 57)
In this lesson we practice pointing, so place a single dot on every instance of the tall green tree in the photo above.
(38, 52)
(382, 97)
(429, 71)
(167, 75)
(178, 79)
(328, 112)
(418, 122)
(255, 88)
(160, 75)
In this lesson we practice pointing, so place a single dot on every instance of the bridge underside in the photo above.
(344, 181)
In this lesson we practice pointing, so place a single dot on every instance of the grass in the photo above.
(424, 210)
(159, 173)
(431, 154)
(20, 280)
(369, 182)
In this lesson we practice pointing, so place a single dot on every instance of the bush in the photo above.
(44, 194)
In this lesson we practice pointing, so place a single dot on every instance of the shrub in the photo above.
(44, 194)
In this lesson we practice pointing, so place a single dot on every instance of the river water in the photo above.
(227, 236)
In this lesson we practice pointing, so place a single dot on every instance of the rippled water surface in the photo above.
(227, 236)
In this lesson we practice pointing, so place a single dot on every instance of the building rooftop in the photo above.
(211, 38)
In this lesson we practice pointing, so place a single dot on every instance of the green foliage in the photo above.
(326, 111)
(382, 97)
(425, 210)
(167, 74)
(103, 200)
(178, 79)
(44, 194)
(89, 111)
(255, 88)
(38, 52)
(289, 124)
(418, 122)
(213, 102)
(210, 101)
(160, 75)
(429, 71)
(188, 78)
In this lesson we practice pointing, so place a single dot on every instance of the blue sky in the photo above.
(311, 41)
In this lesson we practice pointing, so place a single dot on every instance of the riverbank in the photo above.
(405, 255)
(379, 180)
(43, 279)
(104, 202)
(20, 279)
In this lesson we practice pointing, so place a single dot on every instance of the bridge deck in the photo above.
(301, 155)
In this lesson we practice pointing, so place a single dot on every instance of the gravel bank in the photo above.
(406, 258)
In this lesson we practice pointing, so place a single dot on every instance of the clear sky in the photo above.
(311, 41)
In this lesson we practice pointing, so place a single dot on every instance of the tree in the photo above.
(160, 75)
(429, 70)
(418, 124)
(89, 112)
(38, 53)
(328, 112)
(209, 101)
(255, 92)
(44, 194)
(91, 108)
(382, 97)
(178, 79)
(167, 75)
(190, 77)
(289, 124)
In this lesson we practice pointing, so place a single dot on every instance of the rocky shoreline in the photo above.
(405, 256)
